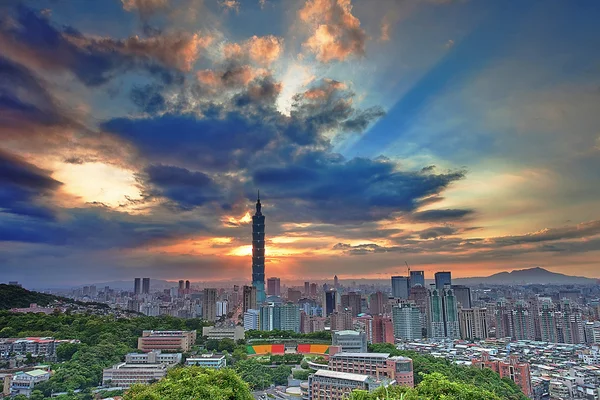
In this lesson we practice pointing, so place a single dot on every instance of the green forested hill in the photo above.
(12, 296)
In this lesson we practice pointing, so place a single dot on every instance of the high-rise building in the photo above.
(181, 285)
(249, 298)
(442, 279)
(435, 313)
(376, 303)
(407, 321)
(313, 290)
(146, 286)
(290, 317)
(382, 330)
(400, 287)
(352, 300)
(463, 295)
(330, 302)
(187, 285)
(137, 286)
(336, 282)
(258, 252)
(270, 317)
(93, 291)
(274, 286)
(442, 313)
(451, 314)
(417, 278)
(473, 323)
(504, 319)
(209, 306)
(251, 318)
(306, 289)
(547, 321)
(570, 323)
(341, 321)
(294, 295)
(523, 325)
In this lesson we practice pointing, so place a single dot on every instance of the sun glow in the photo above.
(98, 182)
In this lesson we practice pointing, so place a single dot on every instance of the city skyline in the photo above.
(452, 135)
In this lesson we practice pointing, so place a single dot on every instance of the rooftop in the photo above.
(355, 333)
(342, 375)
(370, 355)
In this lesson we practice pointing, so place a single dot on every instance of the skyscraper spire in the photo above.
(258, 252)
(258, 205)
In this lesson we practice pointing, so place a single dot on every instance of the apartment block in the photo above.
(516, 371)
(125, 375)
(216, 361)
(333, 385)
(231, 332)
(153, 357)
(378, 365)
(167, 340)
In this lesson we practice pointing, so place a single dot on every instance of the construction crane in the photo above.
(407, 268)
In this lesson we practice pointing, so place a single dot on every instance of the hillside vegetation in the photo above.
(12, 296)
(424, 365)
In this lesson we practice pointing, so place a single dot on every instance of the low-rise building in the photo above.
(378, 365)
(153, 357)
(516, 371)
(234, 333)
(167, 340)
(24, 382)
(215, 361)
(334, 385)
(350, 341)
(125, 375)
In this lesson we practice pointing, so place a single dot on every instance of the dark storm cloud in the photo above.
(26, 106)
(337, 190)
(435, 232)
(216, 142)
(96, 228)
(31, 38)
(441, 215)
(186, 188)
(22, 186)
(288, 157)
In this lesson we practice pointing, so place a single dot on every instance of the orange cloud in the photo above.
(230, 5)
(262, 50)
(337, 33)
(174, 50)
(232, 221)
(385, 31)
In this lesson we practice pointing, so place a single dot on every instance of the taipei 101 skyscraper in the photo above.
(258, 252)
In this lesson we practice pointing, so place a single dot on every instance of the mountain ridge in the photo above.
(535, 275)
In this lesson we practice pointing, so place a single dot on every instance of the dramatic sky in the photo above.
(134, 135)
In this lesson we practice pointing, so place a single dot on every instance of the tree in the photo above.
(65, 351)
(193, 383)
(432, 387)
(36, 395)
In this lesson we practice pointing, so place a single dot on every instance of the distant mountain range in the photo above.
(527, 276)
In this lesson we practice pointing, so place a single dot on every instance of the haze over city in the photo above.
(454, 135)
